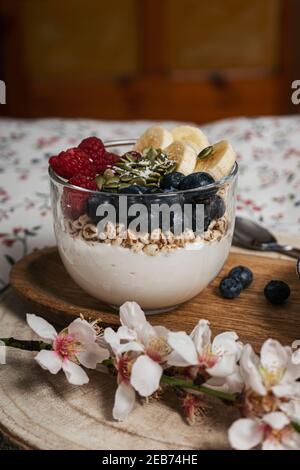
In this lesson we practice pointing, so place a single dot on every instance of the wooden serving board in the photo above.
(43, 282)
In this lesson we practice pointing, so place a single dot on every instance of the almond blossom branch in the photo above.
(26, 345)
(175, 382)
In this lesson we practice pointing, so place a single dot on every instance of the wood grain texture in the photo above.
(43, 411)
(41, 279)
(147, 75)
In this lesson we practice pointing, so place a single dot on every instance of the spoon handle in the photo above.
(287, 250)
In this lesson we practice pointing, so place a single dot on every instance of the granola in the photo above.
(151, 244)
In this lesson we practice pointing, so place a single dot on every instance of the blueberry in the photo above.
(196, 180)
(230, 288)
(133, 189)
(171, 180)
(277, 292)
(191, 220)
(169, 190)
(242, 274)
(154, 190)
(91, 207)
(158, 200)
(100, 199)
(217, 207)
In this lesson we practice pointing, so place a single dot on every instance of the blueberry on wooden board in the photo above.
(277, 292)
(242, 274)
(230, 288)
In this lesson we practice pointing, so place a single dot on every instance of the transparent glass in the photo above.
(159, 269)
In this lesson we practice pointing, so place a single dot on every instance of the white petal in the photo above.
(249, 364)
(111, 338)
(272, 444)
(124, 402)
(41, 327)
(296, 356)
(174, 359)
(183, 345)
(118, 340)
(224, 366)
(291, 441)
(276, 420)
(82, 331)
(49, 360)
(125, 334)
(145, 375)
(74, 373)
(291, 409)
(92, 356)
(232, 384)
(244, 434)
(201, 336)
(161, 331)
(287, 390)
(131, 346)
(146, 332)
(227, 343)
(292, 372)
(132, 315)
(273, 356)
(101, 342)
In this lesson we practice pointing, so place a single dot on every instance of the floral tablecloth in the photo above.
(269, 183)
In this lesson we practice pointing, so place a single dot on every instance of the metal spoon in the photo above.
(250, 235)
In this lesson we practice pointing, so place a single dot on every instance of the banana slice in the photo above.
(218, 161)
(192, 134)
(193, 145)
(155, 136)
(184, 155)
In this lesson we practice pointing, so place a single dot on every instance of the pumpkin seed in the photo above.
(126, 178)
(100, 180)
(124, 166)
(205, 152)
(124, 185)
(111, 186)
(140, 181)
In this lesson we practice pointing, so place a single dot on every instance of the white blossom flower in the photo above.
(75, 345)
(124, 348)
(296, 353)
(272, 376)
(140, 352)
(274, 432)
(217, 358)
(274, 368)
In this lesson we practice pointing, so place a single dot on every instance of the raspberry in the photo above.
(83, 182)
(72, 162)
(95, 149)
(109, 159)
(74, 201)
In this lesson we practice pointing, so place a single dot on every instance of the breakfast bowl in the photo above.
(157, 246)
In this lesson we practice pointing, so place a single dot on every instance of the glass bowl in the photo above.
(159, 265)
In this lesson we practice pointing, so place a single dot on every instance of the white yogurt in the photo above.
(115, 274)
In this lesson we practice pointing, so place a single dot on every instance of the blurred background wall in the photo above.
(193, 60)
